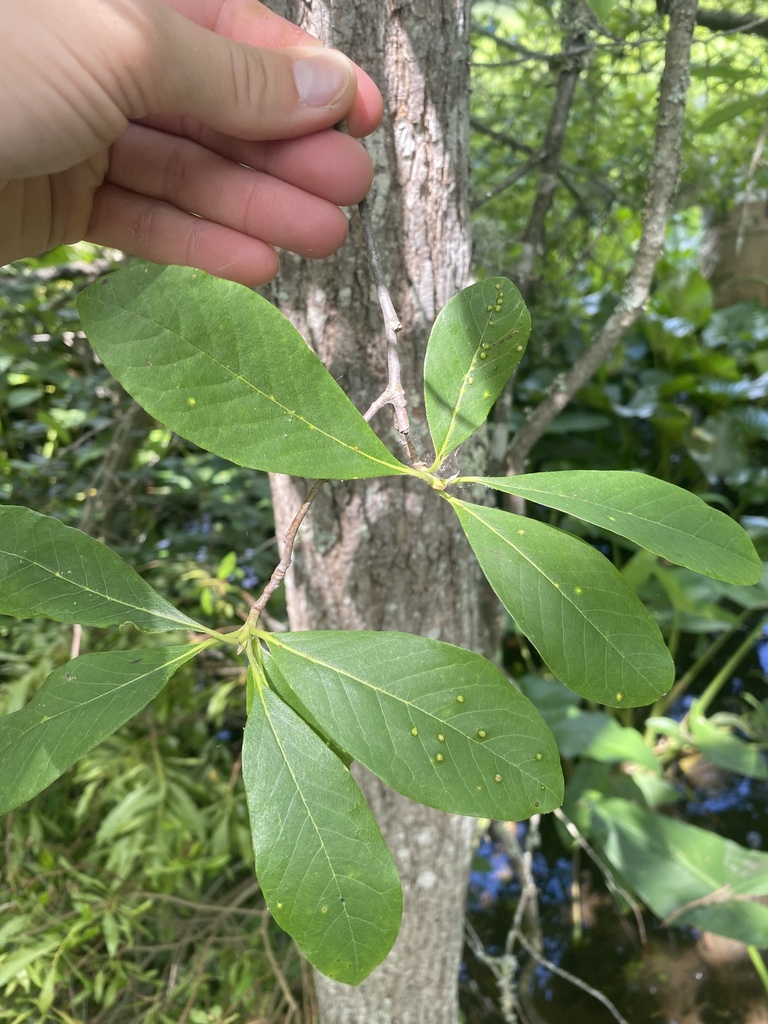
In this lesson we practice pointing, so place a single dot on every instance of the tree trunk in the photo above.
(389, 555)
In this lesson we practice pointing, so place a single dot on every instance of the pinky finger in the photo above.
(162, 233)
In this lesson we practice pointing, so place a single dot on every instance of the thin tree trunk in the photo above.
(387, 554)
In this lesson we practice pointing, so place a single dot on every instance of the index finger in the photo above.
(249, 21)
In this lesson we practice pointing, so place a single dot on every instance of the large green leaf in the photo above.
(477, 341)
(595, 734)
(588, 626)
(78, 706)
(326, 873)
(47, 568)
(222, 367)
(440, 724)
(686, 874)
(725, 748)
(657, 515)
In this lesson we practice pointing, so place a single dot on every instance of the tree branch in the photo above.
(726, 21)
(573, 979)
(663, 180)
(393, 394)
(508, 182)
(284, 564)
(576, 49)
(577, 23)
(575, 38)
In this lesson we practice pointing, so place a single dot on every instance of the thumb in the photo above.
(249, 92)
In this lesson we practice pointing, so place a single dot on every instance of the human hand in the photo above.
(128, 122)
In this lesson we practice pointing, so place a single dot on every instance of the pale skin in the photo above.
(129, 122)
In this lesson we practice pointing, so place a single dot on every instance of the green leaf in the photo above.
(326, 873)
(753, 104)
(685, 874)
(13, 965)
(658, 516)
(572, 604)
(602, 8)
(724, 749)
(222, 367)
(579, 733)
(77, 707)
(594, 734)
(437, 723)
(50, 569)
(477, 341)
(723, 72)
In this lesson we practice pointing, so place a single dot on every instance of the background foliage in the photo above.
(130, 879)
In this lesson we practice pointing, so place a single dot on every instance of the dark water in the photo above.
(669, 976)
(677, 976)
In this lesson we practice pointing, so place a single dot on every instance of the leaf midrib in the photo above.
(315, 826)
(184, 621)
(545, 498)
(42, 719)
(555, 586)
(444, 724)
(270, 398)
(445, 447)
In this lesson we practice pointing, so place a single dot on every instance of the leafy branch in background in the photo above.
(221, 367)
(663, 177)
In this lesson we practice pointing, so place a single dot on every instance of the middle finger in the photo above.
(197, 180)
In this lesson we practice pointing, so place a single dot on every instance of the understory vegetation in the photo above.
(127, 887)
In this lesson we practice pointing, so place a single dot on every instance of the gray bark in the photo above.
(389, 555)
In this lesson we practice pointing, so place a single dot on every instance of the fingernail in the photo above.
(322, 79)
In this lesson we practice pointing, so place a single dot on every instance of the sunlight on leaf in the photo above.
(685, 874)
(724, 747)
(602, 8)
(573, 605)
(477, 340)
